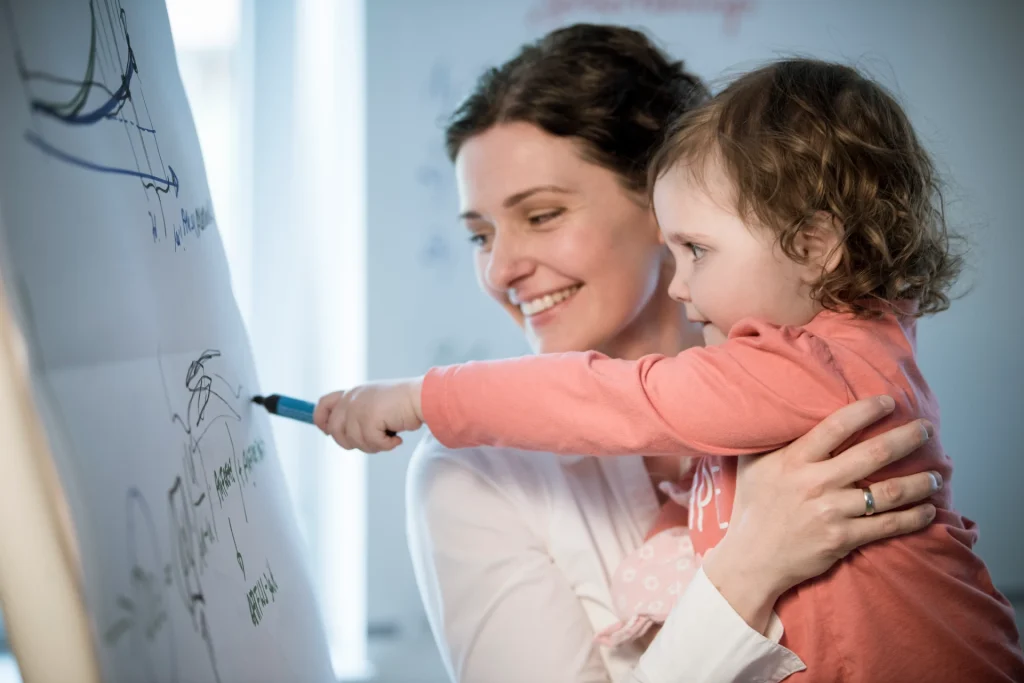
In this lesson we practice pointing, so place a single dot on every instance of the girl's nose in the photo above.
(679, 289)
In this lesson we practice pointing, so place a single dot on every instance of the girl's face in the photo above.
(573, 257)
(727, 269)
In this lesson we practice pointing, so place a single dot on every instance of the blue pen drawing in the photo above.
(441, 90)
(436, 252)
(434, 177)
(107, 91)
(433, 173)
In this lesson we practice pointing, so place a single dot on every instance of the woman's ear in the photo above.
(651, 223)
(668, 266)
(820, 243)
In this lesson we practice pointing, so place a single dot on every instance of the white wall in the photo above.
(953, 62)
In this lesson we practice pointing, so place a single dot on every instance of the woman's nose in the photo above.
(508, 262)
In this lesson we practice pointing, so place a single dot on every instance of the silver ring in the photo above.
(869, 502)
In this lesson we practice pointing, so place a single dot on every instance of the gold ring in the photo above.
(869, 502)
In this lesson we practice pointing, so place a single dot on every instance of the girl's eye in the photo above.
(541, 218)
(698, 251)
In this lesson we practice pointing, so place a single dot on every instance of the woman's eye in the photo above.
(478, 240)
(541, 218)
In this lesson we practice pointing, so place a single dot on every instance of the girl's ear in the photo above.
(820, 244)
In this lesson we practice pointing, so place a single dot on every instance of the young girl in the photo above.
(802, 213)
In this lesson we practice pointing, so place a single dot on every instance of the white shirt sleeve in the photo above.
(704, 639)
(502, 610)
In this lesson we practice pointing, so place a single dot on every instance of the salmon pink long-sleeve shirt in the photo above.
(916, 607)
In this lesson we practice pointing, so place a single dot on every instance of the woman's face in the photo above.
(573, 257)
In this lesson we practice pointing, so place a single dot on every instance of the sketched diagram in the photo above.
(159, 584)
(434, 177)
(105, 91)
(142, 613)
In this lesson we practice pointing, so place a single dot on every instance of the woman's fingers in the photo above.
(866, 458)
(838, 427)
(869, 529)
(890, 494)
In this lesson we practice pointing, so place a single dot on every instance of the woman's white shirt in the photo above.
(513, 553)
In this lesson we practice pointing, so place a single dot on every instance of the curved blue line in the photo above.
(115, 117)
(103, 110)
(64, 156)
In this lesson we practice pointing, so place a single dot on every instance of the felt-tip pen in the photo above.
(294, 408)
(286, 407)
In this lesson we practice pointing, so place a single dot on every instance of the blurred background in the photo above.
(321, 126)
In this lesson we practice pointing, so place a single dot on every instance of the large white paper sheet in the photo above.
(191, 557)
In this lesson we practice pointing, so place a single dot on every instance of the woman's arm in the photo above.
(794, 516)
(704, 622)
(800, 511)
(502, 611)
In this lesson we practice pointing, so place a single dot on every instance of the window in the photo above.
(290, 75)
(207, 37)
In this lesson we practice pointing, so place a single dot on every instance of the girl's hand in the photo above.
(369, 417)
(798, 511)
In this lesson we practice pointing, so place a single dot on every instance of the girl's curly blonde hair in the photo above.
(802, 136)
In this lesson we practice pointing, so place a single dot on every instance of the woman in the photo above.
(513, 555)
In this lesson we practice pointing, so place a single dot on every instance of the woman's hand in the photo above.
(798, 511)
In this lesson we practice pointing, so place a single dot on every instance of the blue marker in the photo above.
(286, 407)
(291, 407)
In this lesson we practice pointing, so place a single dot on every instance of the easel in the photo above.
(44, 609)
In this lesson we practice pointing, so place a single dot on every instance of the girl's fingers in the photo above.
(356, 438)
(322, 411)
(380, 441)
(335, 420)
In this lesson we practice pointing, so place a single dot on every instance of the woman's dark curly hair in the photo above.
(608, 87)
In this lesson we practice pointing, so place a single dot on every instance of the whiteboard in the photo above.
(192, 567)
(952, 62)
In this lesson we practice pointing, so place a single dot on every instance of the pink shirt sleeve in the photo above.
(760, 390)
